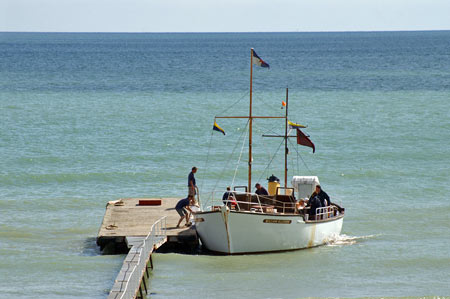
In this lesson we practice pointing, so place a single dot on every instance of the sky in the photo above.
(223, 16)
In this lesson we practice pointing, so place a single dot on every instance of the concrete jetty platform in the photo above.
(130, 219)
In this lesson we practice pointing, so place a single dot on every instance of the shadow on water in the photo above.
(90, 247)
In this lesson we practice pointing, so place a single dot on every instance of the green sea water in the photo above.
(88, 118)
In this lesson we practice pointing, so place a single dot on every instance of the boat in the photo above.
(248, 223)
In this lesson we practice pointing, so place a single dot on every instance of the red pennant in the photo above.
(302, 139)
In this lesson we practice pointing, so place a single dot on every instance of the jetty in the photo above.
(140, 227)
(129, 219)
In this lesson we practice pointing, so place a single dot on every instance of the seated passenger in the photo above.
(229, 200)
(260, 190)
(313, 204)
(300, 205)
(226, 195)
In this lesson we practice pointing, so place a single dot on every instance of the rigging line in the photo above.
(268, 130)
(231, 155)
(266, 170)
(291, 157)
(266, 148)
(207, 159)
(240, 156)
(295, 147)
(264, 143)
(273, 132)
(298, 155)
(240, 99)
(270, 105)
(292, 161)
(257, 129)
(273, 157)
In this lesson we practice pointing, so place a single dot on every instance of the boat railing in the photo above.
(248, 205)
(327, 212)
(259, 203)
(251, 202)
(212, 201)
(157, 233)
(283, 206)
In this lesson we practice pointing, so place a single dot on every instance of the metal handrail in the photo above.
(198, 195)
(243, 202)
(324, 212)
(158, 230)
(276, 203)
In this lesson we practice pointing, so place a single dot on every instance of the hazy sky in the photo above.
(223, 16)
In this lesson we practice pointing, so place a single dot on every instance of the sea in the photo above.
(86, 118)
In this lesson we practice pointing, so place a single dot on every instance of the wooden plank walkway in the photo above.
(125, 218)
(133, 278)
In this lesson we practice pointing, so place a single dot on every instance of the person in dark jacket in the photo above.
(260, 190)
(323, 197)
(313, 204)
(226, 196)
(318, 199)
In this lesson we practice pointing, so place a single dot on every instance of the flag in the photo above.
(217, 128)
(302, 139)
(294, 125)
(258, 61)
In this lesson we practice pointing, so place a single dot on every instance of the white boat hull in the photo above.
(233, 232)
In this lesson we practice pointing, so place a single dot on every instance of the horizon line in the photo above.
(231, 32)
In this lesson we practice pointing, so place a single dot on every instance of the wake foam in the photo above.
(341, 240)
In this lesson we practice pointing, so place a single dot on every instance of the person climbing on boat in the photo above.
(191, 182)
(182, 209)
(260, 190)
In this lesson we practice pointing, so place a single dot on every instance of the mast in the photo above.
(285, 140)
(250, 119)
